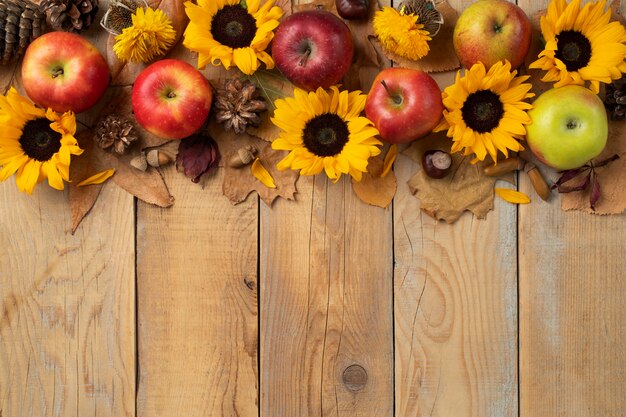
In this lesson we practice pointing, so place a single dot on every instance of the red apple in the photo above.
(171, 99)
(313, 49)
(64, 71)
(404, 104)
(490, 31)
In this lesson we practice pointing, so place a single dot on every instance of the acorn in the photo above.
(242, 157)
(139, 162)
(158, 158)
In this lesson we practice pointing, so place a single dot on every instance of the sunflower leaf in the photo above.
(272, 85)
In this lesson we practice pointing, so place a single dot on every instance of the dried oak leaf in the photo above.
(441, 56)
(239, 182)
(82, 199)
(612, 177)
(124, 73)
(148, 186)
(368, 56)
(465, 188)
(374, 189)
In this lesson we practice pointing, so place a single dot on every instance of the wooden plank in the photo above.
(455, 307)
(197, 303)
(67, 315)
(572, 322)
(326, 326)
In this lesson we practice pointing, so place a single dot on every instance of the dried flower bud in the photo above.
(197, 154)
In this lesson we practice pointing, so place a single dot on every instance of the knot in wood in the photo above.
(354, 377)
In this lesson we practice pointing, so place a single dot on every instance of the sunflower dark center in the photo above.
(39, 141)
(482, 111)
(574, 49)
(325, 135)
(233, 26)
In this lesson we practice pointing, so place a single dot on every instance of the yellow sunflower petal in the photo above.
(512, 196)
(262, 174)
(98, 178)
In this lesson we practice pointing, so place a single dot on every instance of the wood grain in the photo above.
(326, 327)
(197, 303)
(572, 322)
(455, 308)
(67, 315)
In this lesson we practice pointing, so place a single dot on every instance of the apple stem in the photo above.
(396, 99)
(57, 72)
(305, 57)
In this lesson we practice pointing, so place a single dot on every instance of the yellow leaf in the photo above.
(390, 158)
(98, 178)
(512, 196)
(262, 174)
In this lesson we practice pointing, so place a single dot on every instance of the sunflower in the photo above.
(229, 31)
(581, 45)
(485, 112)
(323, 130)
(150, 35)
(36, 144)
(401, 33)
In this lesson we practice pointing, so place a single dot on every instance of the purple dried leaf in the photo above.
(580, 187)
(197, 155)
(594, 196)
(606, 161)
(569, 175)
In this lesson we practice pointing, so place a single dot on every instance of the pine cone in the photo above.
(615, 99)
(119, 15)
(70, 15)
(115, 133)
(238, 105)
(20, 23)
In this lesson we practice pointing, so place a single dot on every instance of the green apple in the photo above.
(569, 127)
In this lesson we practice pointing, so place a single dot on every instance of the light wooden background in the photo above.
(322, 307)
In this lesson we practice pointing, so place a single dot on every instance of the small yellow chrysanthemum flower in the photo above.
(150, 36)
(323, 130)
(581, 45)
(401, 34)
(35, 144)
(227, 32)
(485, 112)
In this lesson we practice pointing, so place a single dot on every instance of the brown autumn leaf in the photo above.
(239, 182)
(82, 199)
(465, 188)
(374, 189)
(125, 73)
(441, 56)
(612, 178)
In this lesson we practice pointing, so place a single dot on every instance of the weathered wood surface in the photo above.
(352, 310)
